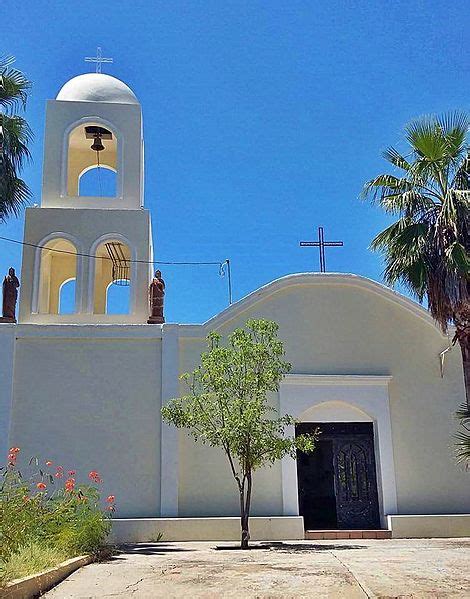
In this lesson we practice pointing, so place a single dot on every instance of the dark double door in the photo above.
(337, 482)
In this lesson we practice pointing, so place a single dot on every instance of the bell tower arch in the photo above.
(92, 190)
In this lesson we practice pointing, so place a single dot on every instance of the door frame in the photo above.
(341, 398)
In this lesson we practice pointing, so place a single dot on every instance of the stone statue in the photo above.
(10, 296)
(156, 295)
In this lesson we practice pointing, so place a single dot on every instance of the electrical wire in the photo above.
(167, 263)
(224, 266)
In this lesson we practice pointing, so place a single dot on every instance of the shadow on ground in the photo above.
(303, 548)
(148, 549)
(289, 547)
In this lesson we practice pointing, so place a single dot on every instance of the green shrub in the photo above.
(49, 514)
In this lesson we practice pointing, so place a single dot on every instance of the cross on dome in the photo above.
(99, 59)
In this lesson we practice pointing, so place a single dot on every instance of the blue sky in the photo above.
(262, 120)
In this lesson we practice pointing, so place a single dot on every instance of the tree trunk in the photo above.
(462, 335)
(465, 349)
(245, 503)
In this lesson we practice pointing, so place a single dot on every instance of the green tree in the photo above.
(15, 135)
(427, 248)
(227, 406)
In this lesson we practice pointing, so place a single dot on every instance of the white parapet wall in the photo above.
(421, 526)
(142, 530)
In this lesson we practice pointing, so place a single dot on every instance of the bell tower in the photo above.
(92, 228)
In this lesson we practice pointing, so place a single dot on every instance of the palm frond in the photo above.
(393, 156)
(14, 193)
(463, 436)
(14, 86)
(427, 249)
(426, 139)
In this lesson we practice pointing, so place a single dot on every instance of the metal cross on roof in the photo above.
(321, 244)
(98, 59)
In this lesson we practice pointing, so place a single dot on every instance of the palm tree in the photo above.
(15, 135)
(427, 248)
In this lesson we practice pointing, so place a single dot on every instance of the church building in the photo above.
(84, 386)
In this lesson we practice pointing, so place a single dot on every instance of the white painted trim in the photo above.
(300, 392)
(336, 379)
(78, 269)
(169, 446)
(65, 155)
(91, 271)
(93, 166)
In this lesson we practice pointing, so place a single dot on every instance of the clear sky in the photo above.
(262, 120)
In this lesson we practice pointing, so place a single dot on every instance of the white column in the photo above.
(290, 495)
(169, 450)
(81, 287)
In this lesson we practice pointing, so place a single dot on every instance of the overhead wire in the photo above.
(45, 247)
(222, 264)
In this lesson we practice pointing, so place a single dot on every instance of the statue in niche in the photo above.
(156, 295)
(10, 296)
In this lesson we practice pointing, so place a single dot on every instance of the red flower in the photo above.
(11, 458)
(48, 463)
(110, 499)
(70, 484)
(60, 468)
(110, 508)
(41, 486)
(14, 449)
(71, 473)
(59, 474)
(94, 476)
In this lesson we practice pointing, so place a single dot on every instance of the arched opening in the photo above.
(57, 267)
(67, 297)
(92, 147)
(112, 278)
(98, 181)
(118, 297)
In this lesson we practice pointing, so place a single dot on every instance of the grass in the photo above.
(30, 559)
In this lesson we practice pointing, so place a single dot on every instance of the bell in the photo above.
(97, 145)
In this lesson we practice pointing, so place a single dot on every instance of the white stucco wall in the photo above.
(89, 398)
(7, 352)
(345, 325)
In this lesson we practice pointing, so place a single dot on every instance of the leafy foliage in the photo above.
(39, 511)
(227, 405)
(15, 135)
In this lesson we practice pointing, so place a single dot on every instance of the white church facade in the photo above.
(86, 388)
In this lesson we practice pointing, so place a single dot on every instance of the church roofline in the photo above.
(314, 278)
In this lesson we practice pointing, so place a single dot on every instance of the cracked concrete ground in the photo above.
(338, 569)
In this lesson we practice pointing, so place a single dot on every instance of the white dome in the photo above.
(97, 87)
